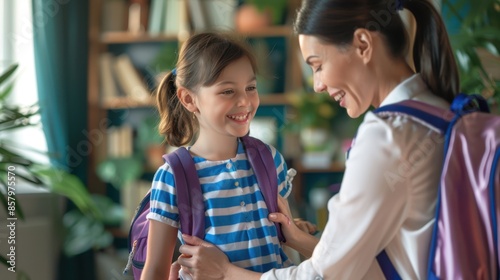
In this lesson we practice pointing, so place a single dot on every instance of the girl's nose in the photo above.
(243, 99)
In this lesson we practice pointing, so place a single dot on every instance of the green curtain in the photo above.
(60, 31)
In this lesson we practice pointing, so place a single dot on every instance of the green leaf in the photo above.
(119, 171)
(70, 186)
(112, 213)
(3, 260)
(4, 93)
(8, 73)
(83, 233)
(18, 210)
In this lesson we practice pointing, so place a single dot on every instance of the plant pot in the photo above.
(249, 18)
(320, 159)
(314, 139)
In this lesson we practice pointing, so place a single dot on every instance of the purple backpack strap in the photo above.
(189, 196)
(262, 162)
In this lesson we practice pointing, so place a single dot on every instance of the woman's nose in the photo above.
(319, 86)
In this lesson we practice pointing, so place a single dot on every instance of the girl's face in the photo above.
(339, 72)
(227, 106)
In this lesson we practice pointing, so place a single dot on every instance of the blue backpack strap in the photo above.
(189, 196)
(262, 162)
(386, 266)
(467, 103)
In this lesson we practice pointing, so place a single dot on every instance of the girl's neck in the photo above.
(212, 148)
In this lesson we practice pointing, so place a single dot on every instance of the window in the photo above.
(16, 46)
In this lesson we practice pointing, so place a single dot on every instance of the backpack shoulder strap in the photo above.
(189, 196)
(262, 162)
(439, 118)
(430, 115)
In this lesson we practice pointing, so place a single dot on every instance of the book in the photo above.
(156, 16)
(114, 15)
(173, 17)
(129, 79)
(220, 14)
(197, 14)
(107, 83)
(138, 15)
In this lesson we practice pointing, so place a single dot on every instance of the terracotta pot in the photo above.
(249, 18)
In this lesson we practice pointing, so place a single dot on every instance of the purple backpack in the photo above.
(190, 198)
(465, 236)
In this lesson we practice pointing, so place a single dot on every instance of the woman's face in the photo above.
(340, 72)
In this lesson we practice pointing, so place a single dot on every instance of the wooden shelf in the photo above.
(272, 31)
(274, 99)
(124, 37)
(128, 37)
(126, 103)
(334, 167)
(129, 103)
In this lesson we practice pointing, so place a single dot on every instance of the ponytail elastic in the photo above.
(174, 71)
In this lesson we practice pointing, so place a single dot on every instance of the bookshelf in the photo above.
(117, 42)
(275, 101)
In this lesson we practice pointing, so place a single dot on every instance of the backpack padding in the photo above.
(191, 215)
(419, 111)
(262, 162)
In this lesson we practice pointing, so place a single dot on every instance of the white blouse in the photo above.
(387, 199)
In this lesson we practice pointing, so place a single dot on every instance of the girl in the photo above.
(357, 50)
(213, 93)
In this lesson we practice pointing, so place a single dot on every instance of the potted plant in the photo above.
(476, 44)
(257, 14)
(128, 173)
(84, 225)
(313, 120)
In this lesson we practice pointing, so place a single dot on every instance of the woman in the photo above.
(357, 51)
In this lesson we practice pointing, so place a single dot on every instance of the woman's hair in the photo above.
(334, 22)
(201, 60)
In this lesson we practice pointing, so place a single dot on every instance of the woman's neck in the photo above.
(390, 77)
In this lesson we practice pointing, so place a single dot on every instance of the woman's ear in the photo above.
(187, 99)
(363, 43)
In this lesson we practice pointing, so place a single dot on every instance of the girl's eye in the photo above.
(318, 69)
(251, 88)
(229, 91)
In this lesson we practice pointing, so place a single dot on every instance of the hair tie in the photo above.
(399, 5)
(174, 71)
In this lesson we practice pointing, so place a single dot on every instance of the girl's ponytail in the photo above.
(176, 123)
(432, 53)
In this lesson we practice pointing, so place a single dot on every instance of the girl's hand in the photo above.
(305, 226)
(284, 217)
(206, 261)
(300, 240)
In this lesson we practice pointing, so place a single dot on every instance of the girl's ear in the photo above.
(363, 43)
(187, 99)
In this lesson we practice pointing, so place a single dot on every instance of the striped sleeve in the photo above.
(163, 203)
(284, 182)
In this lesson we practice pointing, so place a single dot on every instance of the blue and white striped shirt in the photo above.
(235, 212)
